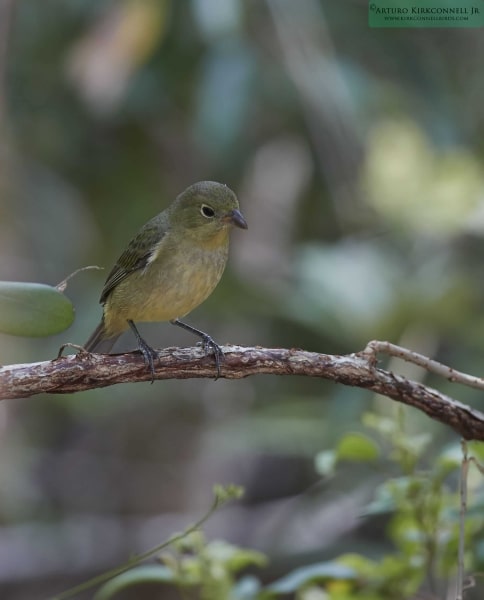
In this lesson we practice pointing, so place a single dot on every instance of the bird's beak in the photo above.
(235, 217)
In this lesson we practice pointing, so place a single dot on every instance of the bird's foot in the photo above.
(149, 353)
(80, 349)
(149, 356)
(209, 346)
(207, 343)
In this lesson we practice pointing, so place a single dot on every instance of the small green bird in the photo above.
(171, 266)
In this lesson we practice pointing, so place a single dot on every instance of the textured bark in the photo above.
(86, 371)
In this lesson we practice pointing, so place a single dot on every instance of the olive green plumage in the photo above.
(171, 266)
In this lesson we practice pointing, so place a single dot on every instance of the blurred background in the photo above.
(357, 157)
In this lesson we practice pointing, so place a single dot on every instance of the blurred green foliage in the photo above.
(357, 157)
(424, 526)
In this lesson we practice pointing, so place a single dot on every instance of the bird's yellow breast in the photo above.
(177, 279)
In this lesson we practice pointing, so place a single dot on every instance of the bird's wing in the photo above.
(136, 256)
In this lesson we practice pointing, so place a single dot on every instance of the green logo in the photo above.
(426, 13)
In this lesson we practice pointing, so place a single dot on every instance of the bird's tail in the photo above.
(99, 342)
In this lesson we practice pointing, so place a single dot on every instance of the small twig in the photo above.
(63, 284)
(464, 583)
(425, 362)
(462, 519)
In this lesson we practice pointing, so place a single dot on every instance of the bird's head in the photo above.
(206, 209)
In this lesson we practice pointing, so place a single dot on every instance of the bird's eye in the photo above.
(207, 211)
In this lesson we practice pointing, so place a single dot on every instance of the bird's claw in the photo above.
(149, 356)
(149, 353)
(209, 345)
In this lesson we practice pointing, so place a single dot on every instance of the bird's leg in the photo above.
(207, 342)
(149, 354)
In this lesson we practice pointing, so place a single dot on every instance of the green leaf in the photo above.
(327, 570)
(226, 493)
(475, 449)
(146, 574)
(247, 588)
(451, 457)
(33, 309)
(357, 447)
(232, 557)
(362, 566)
(383, 503)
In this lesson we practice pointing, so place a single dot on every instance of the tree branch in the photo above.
(86, 371)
